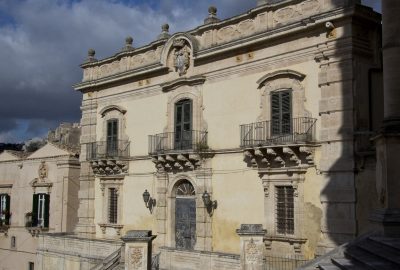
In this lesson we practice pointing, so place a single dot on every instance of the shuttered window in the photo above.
(281, 112)
(284, 209)
(112, 206)
(40, 210)
(5, 213)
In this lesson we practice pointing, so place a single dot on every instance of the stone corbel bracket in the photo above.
(279, 156)
(177, 162)
(109, 167)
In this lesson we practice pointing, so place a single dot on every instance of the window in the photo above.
(5, 213)
(284, 209)
(112, 137)
(31, 266)
(281, 112)
(40, 210)
(183, 124)
(112, 206)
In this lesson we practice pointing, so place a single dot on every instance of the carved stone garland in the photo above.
(278, 157)
(177, 162)
(109, 167)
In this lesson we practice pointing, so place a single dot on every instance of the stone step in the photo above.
(368, 259)
(328, 266)
(392, 243)
(381, 250)
(346, 264)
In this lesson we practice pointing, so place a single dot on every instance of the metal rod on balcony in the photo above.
(108, 149)
(172, 141)
(293, 130)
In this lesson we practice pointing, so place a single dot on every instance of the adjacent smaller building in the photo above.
(38, 194)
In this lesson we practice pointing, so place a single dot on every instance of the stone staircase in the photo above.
(112, 262)
(368, 252)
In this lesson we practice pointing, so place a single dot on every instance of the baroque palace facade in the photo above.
(238, 140)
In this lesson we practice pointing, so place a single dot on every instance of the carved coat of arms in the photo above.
(136, 258)
(181, 57)
(43, 171)
(253, 253)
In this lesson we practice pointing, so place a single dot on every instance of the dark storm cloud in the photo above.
(42, 42)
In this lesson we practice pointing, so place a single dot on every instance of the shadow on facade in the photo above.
(351, 110)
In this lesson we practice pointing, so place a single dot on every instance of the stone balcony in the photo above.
(270, 145)
(109, 158)
(171, 151)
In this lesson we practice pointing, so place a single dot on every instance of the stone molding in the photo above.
(195, 80)
(177, 162)
(105, 184)
(215, 38)
(109, 167)
(274, 157)
(104, 110)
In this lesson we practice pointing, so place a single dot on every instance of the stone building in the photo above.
(38, 194)
(241, 140)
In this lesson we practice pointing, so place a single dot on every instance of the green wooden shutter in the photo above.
(35, 202)
(46, 210)
(286, 112)
(281, 112)
(275, 114)
(8, 213)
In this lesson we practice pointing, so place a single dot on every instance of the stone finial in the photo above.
(91, 54)
(165, 32)
(212, 15)
(128, 44)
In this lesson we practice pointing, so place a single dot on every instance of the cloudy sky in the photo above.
(42, 42)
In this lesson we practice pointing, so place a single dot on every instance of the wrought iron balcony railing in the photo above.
(108, 149)
(172, 141)
(295, 130)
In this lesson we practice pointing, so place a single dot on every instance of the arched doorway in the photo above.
(185, 216)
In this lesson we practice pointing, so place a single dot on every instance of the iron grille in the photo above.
(178, 141)
(284, 209)
(108, 149)
(283, 263)
(292, 130)
(112, 206)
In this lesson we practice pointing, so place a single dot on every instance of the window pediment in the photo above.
(112, 108)
(280, 74)
(169, 86)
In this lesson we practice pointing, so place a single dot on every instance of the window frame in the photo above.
(5, 206)
(280, 121)
(112, 206)
(288, 218)
(41, 210)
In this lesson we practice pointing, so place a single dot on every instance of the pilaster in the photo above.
(86, 193)
(251, 246)
(336, 76)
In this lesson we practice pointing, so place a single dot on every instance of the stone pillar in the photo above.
(86, 193)
(161, 209)
(251, 246)
(138, 252)
(388, 142)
